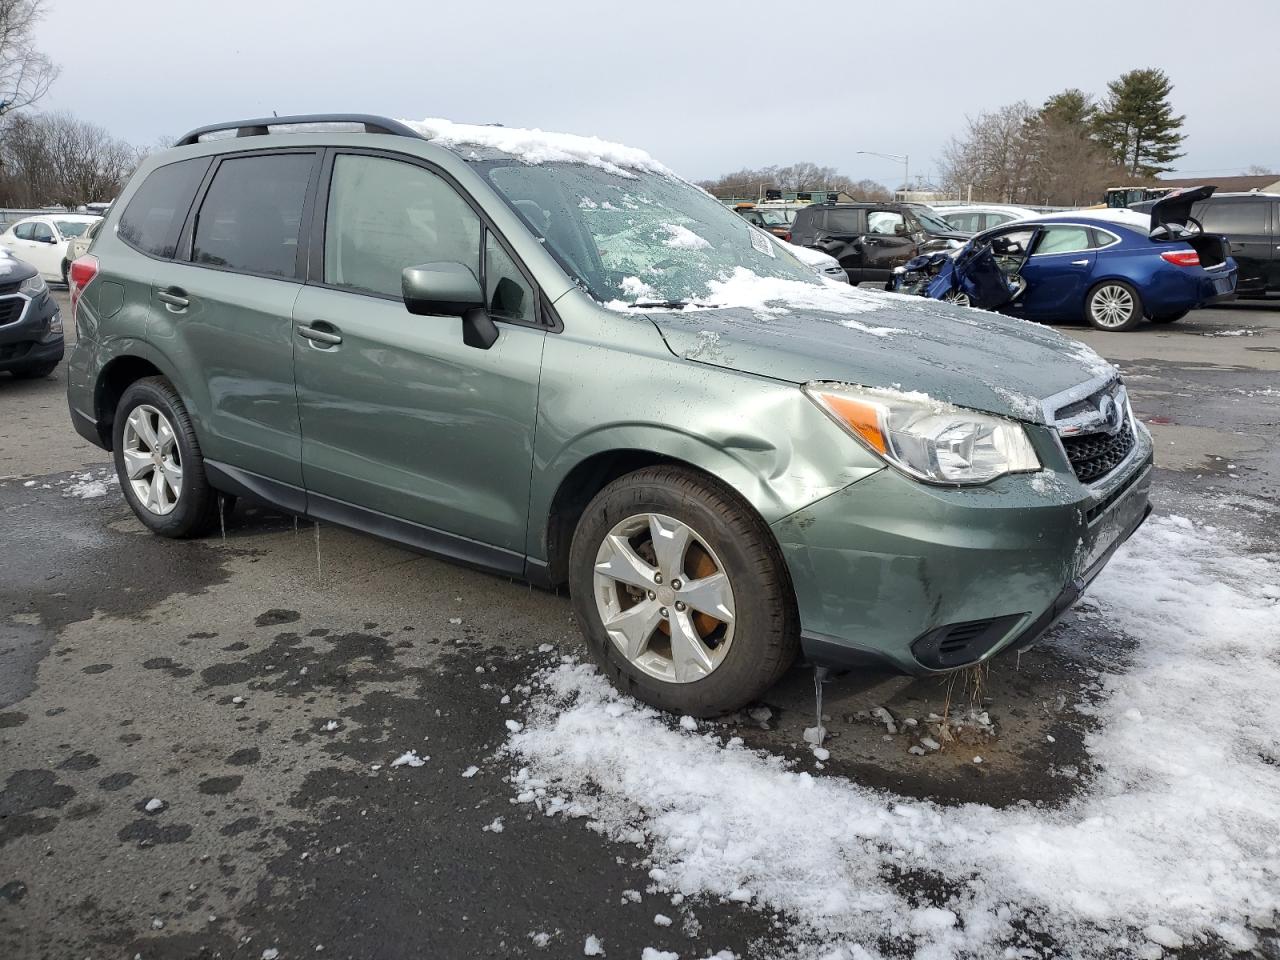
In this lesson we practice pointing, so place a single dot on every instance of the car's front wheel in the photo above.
(682, 592)
(158, 461)
(1113, 305)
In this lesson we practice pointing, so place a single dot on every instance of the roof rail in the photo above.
(259, 127)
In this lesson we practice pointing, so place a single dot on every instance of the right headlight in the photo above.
(925, 438)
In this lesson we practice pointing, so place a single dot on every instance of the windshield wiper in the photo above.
(664, 304)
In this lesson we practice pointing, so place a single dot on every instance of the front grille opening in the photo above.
(1094, 455)
(958, 644)
(11, 309)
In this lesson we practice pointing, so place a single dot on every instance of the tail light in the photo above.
(1181, 258)
(82, 271)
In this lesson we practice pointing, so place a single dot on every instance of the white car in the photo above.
(823, 264)
(42, 241)
(79, 246)
(976, 218)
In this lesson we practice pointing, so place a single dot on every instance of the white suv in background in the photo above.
(42, 241)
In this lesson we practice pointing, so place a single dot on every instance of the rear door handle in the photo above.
(173, 298)
(323, 337)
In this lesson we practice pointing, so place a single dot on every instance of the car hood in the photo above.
(12, 269)
(971, 358)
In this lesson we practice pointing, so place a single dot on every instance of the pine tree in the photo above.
(1137, 124)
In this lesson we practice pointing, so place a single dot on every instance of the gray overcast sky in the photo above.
(706, 87)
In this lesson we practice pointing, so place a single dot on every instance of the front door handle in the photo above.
(322, 337)
(1079, 263)
(174, 299)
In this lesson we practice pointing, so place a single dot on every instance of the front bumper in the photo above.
(892, 573)
(26, 341)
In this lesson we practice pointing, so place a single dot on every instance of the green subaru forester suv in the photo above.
(550, 357)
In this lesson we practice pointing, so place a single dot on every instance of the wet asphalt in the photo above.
(258, 685)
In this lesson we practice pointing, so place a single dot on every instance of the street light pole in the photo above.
(905, 160)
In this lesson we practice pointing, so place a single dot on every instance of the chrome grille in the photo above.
(1094, 455)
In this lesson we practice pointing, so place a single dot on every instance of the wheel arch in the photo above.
(132, 363)
(586, 478)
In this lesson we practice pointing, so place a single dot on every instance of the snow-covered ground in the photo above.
(1174, 839)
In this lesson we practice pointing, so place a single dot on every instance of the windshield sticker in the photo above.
(761, 242)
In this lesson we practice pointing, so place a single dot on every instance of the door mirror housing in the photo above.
(452, 290)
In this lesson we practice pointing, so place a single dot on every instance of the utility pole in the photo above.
(905, 160)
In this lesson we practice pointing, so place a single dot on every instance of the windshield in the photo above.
(644, 238)
(931, 221)
(72, 228)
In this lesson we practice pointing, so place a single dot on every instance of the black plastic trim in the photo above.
(261, 126)
(242, 483)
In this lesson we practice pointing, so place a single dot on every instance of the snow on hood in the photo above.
(540, 146)
(775, 295)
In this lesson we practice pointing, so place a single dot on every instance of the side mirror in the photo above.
(452, 290)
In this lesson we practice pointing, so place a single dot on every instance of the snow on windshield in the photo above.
(538, 146)
(1171, 839)
(646, 237)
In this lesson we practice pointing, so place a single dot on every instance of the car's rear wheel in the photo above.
(1170, 317)
(682, 592)
(1113, 305)
(158, 461)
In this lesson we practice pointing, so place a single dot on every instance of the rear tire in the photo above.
(1113, 306)
(152, 434)
(1170, 317)
(747, 652)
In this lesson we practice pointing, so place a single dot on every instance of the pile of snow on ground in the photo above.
(1174, 840)
(539, 146)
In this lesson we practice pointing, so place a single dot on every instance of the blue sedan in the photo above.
(1113, 269)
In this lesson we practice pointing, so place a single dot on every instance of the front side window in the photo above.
(153, 219)
(963, 221)
(251, 215)
(636, 237)
(1064, 240)
(888, 222)
(41, 231)
(507, 293)
(385, 215)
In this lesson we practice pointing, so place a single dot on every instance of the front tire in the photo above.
(158, 461)
(1113, 306)
(682, 593)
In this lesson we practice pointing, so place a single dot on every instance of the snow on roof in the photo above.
(539, 146)
(1120, 215)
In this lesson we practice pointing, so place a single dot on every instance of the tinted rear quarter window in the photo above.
(844, 221)
(251, 215)
(1233, 217)
(155, 213)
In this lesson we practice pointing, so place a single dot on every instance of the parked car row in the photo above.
(1113, 271)
(45, 241)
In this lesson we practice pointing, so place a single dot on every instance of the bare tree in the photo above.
(995, 156)
(25, 73)
(58, 159)
(795, 177)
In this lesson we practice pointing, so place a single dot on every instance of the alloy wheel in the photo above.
(152, 460)
(958, 297)
(1111, 306)
(664, 598)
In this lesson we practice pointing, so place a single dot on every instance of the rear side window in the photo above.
(155, 213)
(844, 221)
(23, 231)
(963, 221)
(385, 215)
(1233, 217)
(251, 215)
